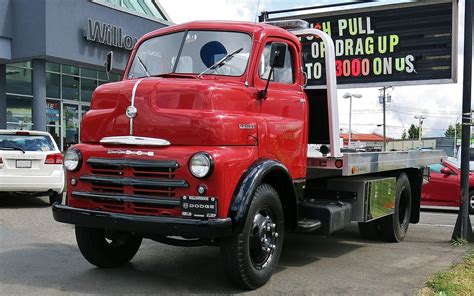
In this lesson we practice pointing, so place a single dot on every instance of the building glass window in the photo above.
(52, 67)
(53, 119)
(87, 87)
(53, 85)
(147, 7)
(89, 73)
(19, 112)
(67, 69)
(19, 80)
(70, 87)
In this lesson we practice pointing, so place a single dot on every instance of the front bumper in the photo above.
(166, 226)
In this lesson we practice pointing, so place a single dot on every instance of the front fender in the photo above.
(247, 185)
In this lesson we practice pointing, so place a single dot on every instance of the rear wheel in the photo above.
(106, 250)
(394, 227)
(251, 256)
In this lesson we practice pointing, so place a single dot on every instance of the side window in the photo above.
(436, 168)
(282, 75)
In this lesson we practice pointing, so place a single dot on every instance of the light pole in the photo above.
(384, 97)
(349, 96)
(420, 127)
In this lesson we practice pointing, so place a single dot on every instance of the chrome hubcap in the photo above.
(263, 239)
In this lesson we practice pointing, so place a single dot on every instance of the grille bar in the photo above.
(119, 163)
(162, 201)
(135, 182)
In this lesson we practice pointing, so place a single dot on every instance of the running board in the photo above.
(308, 225)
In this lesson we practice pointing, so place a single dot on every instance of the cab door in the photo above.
(284, 109)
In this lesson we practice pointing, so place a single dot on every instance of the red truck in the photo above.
(211, 138)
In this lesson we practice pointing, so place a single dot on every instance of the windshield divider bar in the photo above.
(175, 66)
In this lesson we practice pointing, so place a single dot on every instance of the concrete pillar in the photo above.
(3, 96)
(39, 95)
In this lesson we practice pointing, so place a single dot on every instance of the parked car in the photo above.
(444, 186)
(31, 163)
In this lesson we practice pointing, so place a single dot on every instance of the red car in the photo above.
(444, 186)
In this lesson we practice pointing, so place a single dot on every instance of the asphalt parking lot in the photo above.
(39, 256)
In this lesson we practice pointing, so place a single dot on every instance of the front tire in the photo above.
(394, 227)
(106, 250)
(251, 257)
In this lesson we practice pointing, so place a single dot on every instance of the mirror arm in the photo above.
(262, 94)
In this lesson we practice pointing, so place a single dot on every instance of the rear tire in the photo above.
(55, 197)
(106, 251)
(251, 257)
(394, 227)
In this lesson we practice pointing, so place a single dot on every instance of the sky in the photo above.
(439, 104)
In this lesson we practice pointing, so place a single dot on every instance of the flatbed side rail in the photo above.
(374, 162)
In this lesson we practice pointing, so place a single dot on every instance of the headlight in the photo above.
(72, 159)
(201, 165)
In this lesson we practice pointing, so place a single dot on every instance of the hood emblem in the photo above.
(131, 112)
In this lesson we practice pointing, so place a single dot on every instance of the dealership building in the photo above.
(52, 55)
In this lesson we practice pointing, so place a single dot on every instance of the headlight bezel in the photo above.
(79, 159)
(209, 159)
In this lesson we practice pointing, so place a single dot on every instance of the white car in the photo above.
(31, 163)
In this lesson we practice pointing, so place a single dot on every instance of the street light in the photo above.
(349, 96)
(420, 129)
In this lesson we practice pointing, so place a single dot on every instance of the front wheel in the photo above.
(106, 249)
(252, 255)
(394, 227)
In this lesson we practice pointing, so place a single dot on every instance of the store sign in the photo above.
(108, 34)
(386, 45)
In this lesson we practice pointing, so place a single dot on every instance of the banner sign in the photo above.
(387, 45)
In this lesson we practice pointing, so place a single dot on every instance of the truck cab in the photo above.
(205, 141)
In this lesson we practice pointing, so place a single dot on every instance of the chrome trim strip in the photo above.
(132, 103)
(134, 141)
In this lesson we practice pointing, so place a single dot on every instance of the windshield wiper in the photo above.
(143, 65)
(221, 62)
(13, 148)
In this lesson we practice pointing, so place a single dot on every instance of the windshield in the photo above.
(26, 143)
(199, 51)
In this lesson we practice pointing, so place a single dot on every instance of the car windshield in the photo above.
(192, 52)
(26, 143)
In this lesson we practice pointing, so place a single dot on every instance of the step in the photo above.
(308, 225)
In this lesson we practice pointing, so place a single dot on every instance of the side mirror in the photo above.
(446, 171)
(278, 55)
(109, 63)
(277, 60)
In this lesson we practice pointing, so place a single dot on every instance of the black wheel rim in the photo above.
(262, 239)
(403, 208)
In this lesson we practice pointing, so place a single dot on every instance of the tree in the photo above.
(404, 134)
(449, 133)
(413, 132)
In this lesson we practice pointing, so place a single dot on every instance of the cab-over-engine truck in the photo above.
(208, 140)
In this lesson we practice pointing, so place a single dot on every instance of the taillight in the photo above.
(22, 133)
(56, 158)
(1, 160)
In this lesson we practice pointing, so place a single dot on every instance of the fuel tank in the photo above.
(183, 111)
